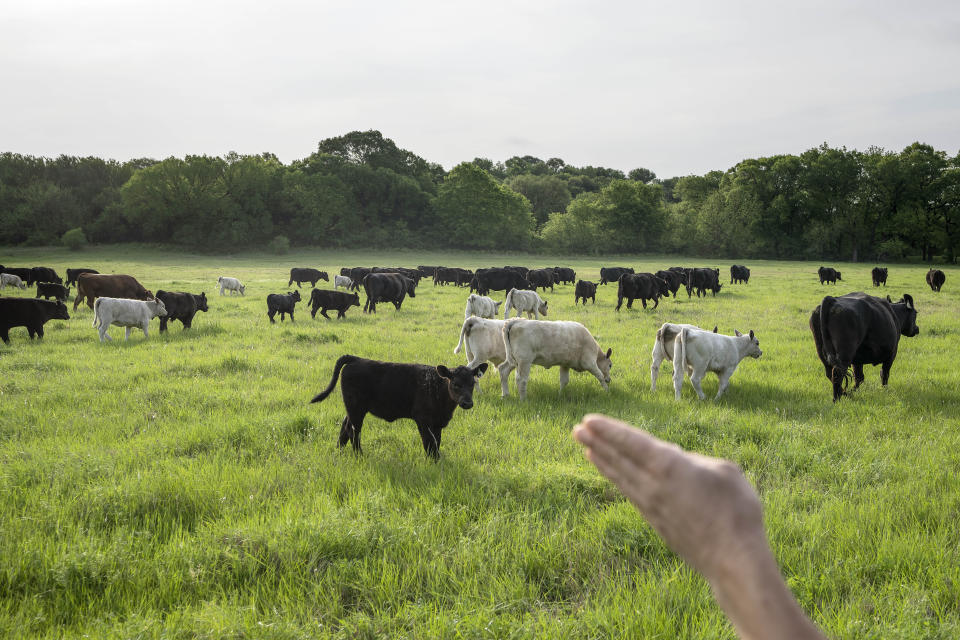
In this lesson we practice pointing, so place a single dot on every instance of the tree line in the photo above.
(361, 190)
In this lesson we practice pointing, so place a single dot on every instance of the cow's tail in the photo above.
(679, 359)
(341, 362)
(507, 347)
(96, 312)
(507, 302)
(829, 350)
(464, 332)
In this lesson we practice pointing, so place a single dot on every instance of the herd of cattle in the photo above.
(849, 331)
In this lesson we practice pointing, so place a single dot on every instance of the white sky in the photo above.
(677, 87)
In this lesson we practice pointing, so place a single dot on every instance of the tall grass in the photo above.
(182, 486)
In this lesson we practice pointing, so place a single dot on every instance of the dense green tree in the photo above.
(546, 193)
(642, 175)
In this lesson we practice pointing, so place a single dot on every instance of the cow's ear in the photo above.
(751, 334)
(737, 333)
(909, 300)
(609, 351)
(444, 372)
(480, 370)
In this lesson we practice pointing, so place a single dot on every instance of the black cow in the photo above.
(306, 274)
(30, 313)
(345, 271)
(426, 271)
(282, 303)
(542, 278)
(392, 390)
(936, 278)
(739, 274)
(703, 280)
(565, 275)
(645, 286)
(858, 329)
(828, 274)
(181, 306)
(44, 274)
(357, 274)
(452, 275)
(612, 274)
(523, 271)
(879, 275)
(321, 300)
(73, 274)
(673, 280)
(47, 290)
(499, 280)
(387, 287)
(23, 273)
(585, 289)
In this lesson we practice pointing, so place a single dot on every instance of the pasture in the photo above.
(182, 486)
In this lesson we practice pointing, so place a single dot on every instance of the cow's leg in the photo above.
(313, 313)
(291, 316)
(77, 300)
(346, 432)
(39, 331)
(523, 375)
(885, 372)
(356, 424)
(678, 373)
(187, 322)
(103, 332)
(695, 378)
(163, 323)
(724, 378)
(656, 302)
(619, 302)
(658, 356)
(837, 375)
(30, 331)
(431, 440)
(282, 313)
(5, 334)
(270, 315)
(857, 376)
(564, 377)
(643, 301)
(323, 312)
(505, 368)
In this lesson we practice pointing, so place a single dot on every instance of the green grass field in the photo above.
(182, 486)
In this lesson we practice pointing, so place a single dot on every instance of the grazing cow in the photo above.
(230, 284)
(499, 280)
(483, 340)
(542, 278)
(523, 301)
(21, 272)
(739, 274)
(663, 347)
(858, 329)
(306, 274)
(30, 313)
(73, 274)
(481, 306)
(612, 274)
(342, 281)
(565, 275)
(585, 289)
(8, 279)
(321, 300)
(703, 280)
(48, 290)
(124, 312)
(44, 274)
(695, 352)
(936, 278)
(828, 274)
(387, 287)
(567, 345)
(879, 275)
(673, 280)
(645, 286)
(115, 285)
(181, 306)
(392, 390)
(282, 303)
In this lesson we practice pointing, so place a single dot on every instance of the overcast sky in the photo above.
(677, 87)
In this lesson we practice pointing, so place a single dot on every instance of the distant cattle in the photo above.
(585, 289)
(879, 275)
(612, 274)
(828, 274)
(30, 313)
(936, 278)
(181, 306)
(342, 281)
(426, 271)
(858, 329)
(523, 271)
(21, 272)
(499, 280)
(386, 287)
(306, 274)
(483, 341)
(10, 280)
(567, 345)
(357, 274)
(452, 275)
(126, 313)
(48, 290)
(565, 275)
(391, 390)
(481, 306)
(230, 284)
(644, 286)
(701, 280)
(91, 286)
(44, 274)
(663, 347)
(73, 274)
(282, 303)
(339, 301)
(695, 352)
(541, 278)
(413, 274)
(739, 274)
(673, 280)
(523, 301)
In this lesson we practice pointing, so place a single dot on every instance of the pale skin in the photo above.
(708, 513)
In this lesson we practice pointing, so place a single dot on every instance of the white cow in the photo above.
(125, 313)
(524, 302)
(481, 306)
(230, 284)
(342, 281)
(697, 351)
(567, 345)
(663, 347)
(12, 280)
(483, 341)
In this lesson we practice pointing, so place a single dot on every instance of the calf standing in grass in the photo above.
(321, 300)
(181, 306)
(482, 339)
(697, 351)
(585, 289)
(125, 313)
(281, 303)
(391, 390)
(8, 279)
(30, 313)
(663, 347)
(230, 284)
(481, 306)
(342, 281)
(47, 290)
(524, 302)
(879, 276)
